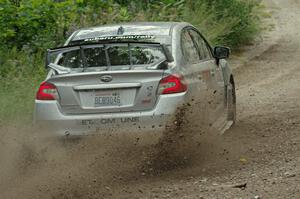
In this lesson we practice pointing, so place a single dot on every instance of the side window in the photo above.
(204, 50)
(188, 48)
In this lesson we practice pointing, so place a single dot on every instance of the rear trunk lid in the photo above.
(107, 91)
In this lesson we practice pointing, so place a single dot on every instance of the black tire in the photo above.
(231, 101)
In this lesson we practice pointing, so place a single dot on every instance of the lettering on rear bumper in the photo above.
(109, 121)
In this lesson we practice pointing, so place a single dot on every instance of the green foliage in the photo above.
(19, 76)
(28, 27)
(245, 19)
(37, 24)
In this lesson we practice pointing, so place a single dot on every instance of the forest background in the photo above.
(29, 27)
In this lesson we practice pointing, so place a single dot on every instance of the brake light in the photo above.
(172, 84)
(47, 91)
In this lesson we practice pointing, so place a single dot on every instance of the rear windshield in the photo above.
(113, 56)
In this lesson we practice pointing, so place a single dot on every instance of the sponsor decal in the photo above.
(206, 75)
(124, 120)
(146, 101)
(121, 37)
(149, 91)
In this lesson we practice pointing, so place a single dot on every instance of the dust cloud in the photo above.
(36, 165)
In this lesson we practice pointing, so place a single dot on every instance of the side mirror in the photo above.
(221, 52)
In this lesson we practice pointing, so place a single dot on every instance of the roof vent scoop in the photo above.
(121, 31)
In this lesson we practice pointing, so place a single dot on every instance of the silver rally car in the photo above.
(135, 77)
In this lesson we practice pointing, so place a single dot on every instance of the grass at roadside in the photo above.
(24, 39)
(20, 74)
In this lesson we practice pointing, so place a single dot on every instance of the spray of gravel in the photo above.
(33, 166)
(189, 142)
(36, 166)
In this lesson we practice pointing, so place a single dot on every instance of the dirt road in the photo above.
(258, 158)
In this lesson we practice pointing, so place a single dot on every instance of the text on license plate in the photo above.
(112, 99)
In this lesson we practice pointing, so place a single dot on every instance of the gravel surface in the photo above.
(258, 158)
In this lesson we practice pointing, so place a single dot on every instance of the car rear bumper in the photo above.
(48, 117)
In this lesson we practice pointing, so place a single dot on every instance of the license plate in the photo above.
(107, 99)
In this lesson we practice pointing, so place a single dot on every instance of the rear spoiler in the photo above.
(166, 50)
(168, 53)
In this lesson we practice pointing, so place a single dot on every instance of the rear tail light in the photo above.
(172, 84)
(47, 91)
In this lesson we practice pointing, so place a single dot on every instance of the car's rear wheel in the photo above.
(231, 101)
